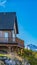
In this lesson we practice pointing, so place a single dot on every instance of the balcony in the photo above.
(20, 42)
(9, 41)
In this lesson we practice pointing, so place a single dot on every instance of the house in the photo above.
(8, 32)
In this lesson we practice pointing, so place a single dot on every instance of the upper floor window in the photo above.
(3, 36)
(13, 35)
(0, 34)
(6, 36)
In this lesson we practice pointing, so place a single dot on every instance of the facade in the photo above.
(8, 32)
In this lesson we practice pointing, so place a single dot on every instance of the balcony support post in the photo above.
(9, 49)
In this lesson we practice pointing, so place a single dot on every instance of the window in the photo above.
(0, 34)
(6, 36)
(13, 35)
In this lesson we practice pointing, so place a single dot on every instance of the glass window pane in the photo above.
(0, 33)
(13, 35)
(6, 36)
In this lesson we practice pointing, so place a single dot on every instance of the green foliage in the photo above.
(31, 56)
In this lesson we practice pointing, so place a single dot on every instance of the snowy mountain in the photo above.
(32, 47)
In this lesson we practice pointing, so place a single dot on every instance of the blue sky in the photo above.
(26, 11)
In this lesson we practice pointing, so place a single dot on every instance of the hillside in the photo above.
(30, 55)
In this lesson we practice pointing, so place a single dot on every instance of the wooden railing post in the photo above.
(9, 49)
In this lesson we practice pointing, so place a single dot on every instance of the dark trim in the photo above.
(16, 25)
(7, 43)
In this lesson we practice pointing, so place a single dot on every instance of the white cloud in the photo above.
(2, 3)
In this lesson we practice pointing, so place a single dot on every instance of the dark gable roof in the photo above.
(7, 21)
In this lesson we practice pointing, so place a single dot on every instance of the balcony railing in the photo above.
(10, 40)
(20, 42)
(7, 40)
